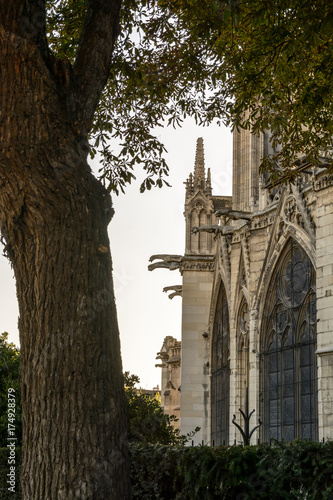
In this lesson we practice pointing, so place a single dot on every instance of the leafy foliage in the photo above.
(146, 421)
(272, 66)
(294, 471)
(257, 64)
(9, 379)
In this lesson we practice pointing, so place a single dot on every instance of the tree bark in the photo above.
(53, 217)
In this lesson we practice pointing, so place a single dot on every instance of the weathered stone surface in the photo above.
(297, 217)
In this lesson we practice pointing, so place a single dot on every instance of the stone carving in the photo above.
(198, 266)
(233, 214)
(213, 229)
(323, 182)
(225, 255)
(302, 213)
(177, 290)
(245, 236)
(274, 195)
(243, 283)
(167, 261)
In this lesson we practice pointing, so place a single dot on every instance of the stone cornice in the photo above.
(197, 263)
(325, 350)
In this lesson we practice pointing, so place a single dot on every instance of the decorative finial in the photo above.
(208, 183)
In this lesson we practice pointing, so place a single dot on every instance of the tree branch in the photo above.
(92, 65)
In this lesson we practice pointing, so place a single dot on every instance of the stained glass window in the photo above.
(242, 353)
(288, 344)
(220, 372)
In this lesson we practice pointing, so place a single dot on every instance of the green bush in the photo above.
(146, 422)
(299, 470)
(9, 380)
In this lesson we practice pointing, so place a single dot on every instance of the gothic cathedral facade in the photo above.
(257, 301)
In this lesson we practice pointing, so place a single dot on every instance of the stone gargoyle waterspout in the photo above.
(177, 290)
(167, 261)
(213, 229)
(234, 214)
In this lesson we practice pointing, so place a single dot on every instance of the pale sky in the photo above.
(143, 225)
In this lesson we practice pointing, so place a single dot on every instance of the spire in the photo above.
(199, 166)
(198, 181)
(189, 186)
(209, 183)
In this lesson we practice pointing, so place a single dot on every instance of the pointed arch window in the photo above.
(242, 353)
(288, 345)
(220, 372)
(203, 237)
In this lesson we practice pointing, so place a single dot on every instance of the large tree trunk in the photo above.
(54, 216)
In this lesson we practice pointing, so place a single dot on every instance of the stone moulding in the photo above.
(197, 263)
(325, 350)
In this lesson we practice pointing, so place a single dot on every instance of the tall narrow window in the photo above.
(288, 344)
(220, 372)
(203, 237)
(242, 353)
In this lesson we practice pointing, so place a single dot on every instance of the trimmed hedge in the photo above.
(299, 470)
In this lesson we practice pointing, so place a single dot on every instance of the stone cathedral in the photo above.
(257, 303)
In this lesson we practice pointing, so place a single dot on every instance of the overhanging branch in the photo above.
(92, 64)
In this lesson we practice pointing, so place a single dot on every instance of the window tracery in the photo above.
(220, 372)
(288, 370)
(243, 352)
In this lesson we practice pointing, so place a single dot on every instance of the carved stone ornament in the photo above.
(300, 213)
(324, 182)
(177, 290)
(211, 228)
(225, 260)
(245, 236)
(167, 261)
(197, 266)
(234, 214)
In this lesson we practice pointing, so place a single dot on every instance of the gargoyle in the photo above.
(207, 229)
(213, 229)
(178, 289)
(233, 214)
(171, 262)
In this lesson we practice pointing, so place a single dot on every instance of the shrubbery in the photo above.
(299, 470)
(146, 422)
(9, 379)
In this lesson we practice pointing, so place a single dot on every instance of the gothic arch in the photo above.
(194, 238)
(220, 370)
(287, 348)
(268, 270)
(203, 237)
(242, 350)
